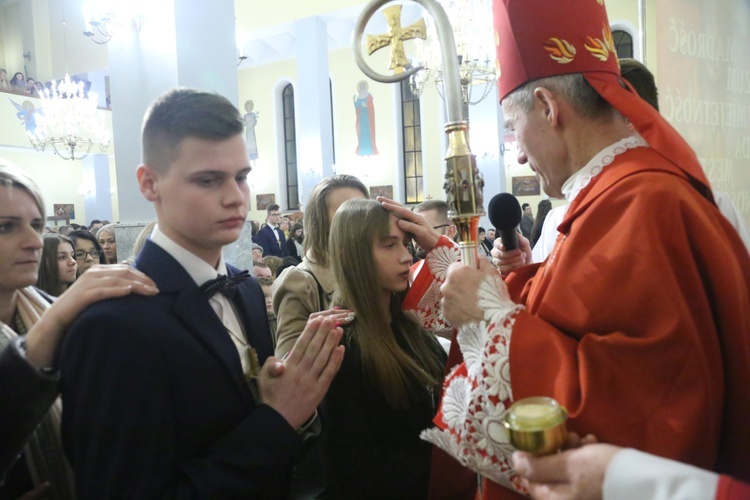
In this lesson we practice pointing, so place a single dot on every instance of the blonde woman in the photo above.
(306, 289)
(107, 238)
(31, 327)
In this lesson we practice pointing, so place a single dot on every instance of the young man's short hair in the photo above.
(641, 79)
(523, 207)
(183, 113)
(440, 207)
(271, 208)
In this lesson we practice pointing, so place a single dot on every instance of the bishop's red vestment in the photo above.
(638, 323)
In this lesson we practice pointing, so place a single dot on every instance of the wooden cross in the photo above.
(396, 37)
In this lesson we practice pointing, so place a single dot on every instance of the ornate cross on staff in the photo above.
(463, 182)
(396, 37)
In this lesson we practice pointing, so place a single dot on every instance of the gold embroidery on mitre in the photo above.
(601, 48)
(559, 50)
(600, 2)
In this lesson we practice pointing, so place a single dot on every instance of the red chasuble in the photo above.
(638, 323)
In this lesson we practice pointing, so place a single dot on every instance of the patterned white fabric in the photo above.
(428, 313)
(579, 180)
(476, 397)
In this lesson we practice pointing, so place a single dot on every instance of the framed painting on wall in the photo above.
(67, 210)
(527, 185)
(262, 201)
(386, 191)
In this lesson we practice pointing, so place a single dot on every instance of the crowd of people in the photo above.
(20, 84)
(71, 250)
(350, 364)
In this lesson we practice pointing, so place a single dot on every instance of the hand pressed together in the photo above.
(295, 386)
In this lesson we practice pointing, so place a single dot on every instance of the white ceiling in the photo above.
(276, 43)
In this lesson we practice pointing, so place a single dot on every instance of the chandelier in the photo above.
(69, 122)
(105, 17)
(475, 45)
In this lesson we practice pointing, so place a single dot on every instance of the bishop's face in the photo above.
(538, 144)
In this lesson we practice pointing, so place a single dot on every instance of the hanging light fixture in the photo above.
(68, 120)
(105, 17)
(475, 43)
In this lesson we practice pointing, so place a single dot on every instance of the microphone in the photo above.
(504, 212)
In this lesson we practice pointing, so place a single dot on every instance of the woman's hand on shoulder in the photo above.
(98, 283)
(342, 316)
(101, 282)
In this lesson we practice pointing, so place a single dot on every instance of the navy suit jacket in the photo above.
(266, 238)
(156, 404)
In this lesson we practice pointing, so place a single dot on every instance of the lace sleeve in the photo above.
(478, 392)
(423, 300)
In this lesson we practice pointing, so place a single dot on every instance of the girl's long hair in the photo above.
(356, 228)
(541, 213)
(49, 272)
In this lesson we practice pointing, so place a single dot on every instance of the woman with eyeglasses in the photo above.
(31, 327)
(88, 251)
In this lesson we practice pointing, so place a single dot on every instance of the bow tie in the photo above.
(226, 285)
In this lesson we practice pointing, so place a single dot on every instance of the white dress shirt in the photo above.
(201, 271)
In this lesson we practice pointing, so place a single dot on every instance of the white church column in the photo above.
(486, 139)
(188, 43)
(312, 105)
(97, 200)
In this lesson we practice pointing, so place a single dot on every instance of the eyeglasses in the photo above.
(81, 254)
(441, 226)
(274, 214)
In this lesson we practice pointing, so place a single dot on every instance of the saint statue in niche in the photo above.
(251, 119)
(365, 112)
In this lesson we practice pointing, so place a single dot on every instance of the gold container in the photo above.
(537, 425)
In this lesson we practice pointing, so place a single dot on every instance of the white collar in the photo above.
(198, 269)
(579, 180)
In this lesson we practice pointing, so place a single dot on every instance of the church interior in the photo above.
(309, 110)
(325, 345)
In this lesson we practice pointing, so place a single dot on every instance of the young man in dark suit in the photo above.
(178, 395)
(270, 236)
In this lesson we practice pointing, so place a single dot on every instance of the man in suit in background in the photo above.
(527, 221)
(271, 237)
(435, 213)
(178, 395)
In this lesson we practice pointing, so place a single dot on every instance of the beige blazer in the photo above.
(296, 296)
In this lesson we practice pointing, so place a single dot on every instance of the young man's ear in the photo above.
(148, 182)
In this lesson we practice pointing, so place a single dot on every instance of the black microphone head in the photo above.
(504, 211)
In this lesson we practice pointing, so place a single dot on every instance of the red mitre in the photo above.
(542, 38)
